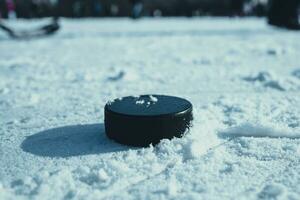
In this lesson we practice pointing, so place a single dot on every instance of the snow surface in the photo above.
(242, 76)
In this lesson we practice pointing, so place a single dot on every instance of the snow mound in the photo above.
(257, 130)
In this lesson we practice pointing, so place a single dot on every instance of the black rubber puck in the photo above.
(144, 120)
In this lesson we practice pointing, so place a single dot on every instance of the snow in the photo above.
(153, 99)
(250, 130)
(140, 101)
(241, 75)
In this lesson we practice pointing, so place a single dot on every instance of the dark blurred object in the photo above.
(48, 29)
(284, 13)
(257, 8)
(237, 7)
(137, 8)
(94, 8)
(3, 9)
(192, 7)
(140, 8)
(28, 8)
(122, 8)
(24, 9)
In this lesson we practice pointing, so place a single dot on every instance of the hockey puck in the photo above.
(147, 119)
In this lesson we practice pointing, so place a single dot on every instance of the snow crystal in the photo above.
(110, 102)
(102, 175)
(153, 98)
(172, 187)
(34, 99)
(140, 101)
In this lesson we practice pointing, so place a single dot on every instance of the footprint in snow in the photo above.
(296, 73)
(266, 80)
(117, 77)
(128, 75)
(271, 192)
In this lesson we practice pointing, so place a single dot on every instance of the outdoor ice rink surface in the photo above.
(242, 76)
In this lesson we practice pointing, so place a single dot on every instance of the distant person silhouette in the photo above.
(284, 14)
(137, 8)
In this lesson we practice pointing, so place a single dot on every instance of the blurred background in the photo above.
(130, 8)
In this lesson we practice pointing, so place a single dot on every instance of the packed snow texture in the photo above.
(242, 76)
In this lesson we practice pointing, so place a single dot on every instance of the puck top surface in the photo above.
(149, 105)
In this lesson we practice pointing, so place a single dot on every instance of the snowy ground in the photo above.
(242, 76)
